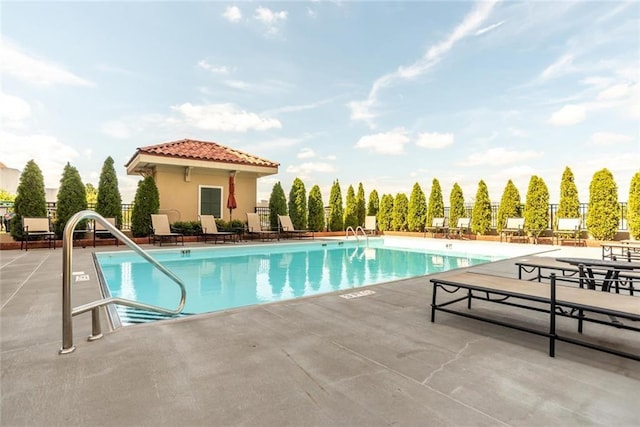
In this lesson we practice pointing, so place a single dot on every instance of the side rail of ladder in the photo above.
(67, 259)
(346, 234)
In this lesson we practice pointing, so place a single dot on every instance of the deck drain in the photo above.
(358, 294)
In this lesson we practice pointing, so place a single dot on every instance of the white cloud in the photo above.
(568, 115)
(499, 156)
(306, 169)
(610, 138)
(232, 14)
(615, 92)
(116, 129)
(563, 65)
(385, 143)
(35, 70)
(217, 69)
(270, 18)
(489, 28)
(435, 140)
(238, 84)
(306, 153)
(13, 111)
(223, 117)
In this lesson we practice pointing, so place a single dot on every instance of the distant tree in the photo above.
(298, 204)
(385, 214)
(436, 203)
(361, 204)
(633, 217)
(374, 203)
(91, 193)
(72, 198)
(351, 209)
(316, 209)
(6, 196)
(481, 214)
(417, 214)
(536, 208)
(277, 205)
(569, 206)
(400, 211)
(336, 211)
(30, 198)
(145, 203)
(456, 205)
(109, 201)
(603, 216)
(510, 205)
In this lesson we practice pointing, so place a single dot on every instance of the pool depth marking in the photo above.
(359, 294)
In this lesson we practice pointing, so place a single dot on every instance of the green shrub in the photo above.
(316, 209)
(481, 214)
(385, 214)
(536, 208)
(603, 216)
(145, 203)
(456, 205)
(277, 205)
(400, 211)
(109, 201)
(336, 211)
(72, 198)
(188, 228)
(417, 214)
(298, 204)
(351, 210)
(633, 216)
(361, 205)
(510, 205)
(374, 204)
(436, 203)
(569, 206)
(30, 198)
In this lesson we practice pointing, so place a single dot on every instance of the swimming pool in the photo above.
(219, 278)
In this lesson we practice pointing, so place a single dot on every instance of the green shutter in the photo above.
(211, 201)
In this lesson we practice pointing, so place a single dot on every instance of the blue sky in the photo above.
(383, 93)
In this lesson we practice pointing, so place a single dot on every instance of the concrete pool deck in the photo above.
(322, 360)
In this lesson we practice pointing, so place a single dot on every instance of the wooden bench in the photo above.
(583, 305)
(37, 227)
(568, 229)
(513, 227)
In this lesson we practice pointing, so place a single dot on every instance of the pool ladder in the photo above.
(67, 259)
(355, 232)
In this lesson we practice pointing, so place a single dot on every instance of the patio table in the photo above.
(612, 270)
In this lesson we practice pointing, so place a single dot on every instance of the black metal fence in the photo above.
(263, 212)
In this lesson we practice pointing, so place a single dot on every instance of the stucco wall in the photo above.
(179, 198)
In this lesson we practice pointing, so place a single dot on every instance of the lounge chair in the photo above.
(438, 225)
(371, 225)
(568, 229)
(255, 228)
(161, 230)
(286, 225)
(514, 227)
(210, 230)
(462, 227)
(101, 230)
(37, 227)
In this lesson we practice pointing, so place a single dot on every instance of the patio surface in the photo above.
(323, 360)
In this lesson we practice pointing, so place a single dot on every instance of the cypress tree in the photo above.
(569, 206)
(361, 204)
(633, 216)
(481, 214)
(351, 210)
(456, 205)
(277, 205)
(336, 211)
(374, 203)
(436, 203)
(92, 194)
(72, 198)
(30, 198)
(385, 214)
(603, 215)
(510, 205)
(536, 208)
(145, 203)
(109, 202)
(316, 209)
(416, 217)
(298, 204)
(400, 211)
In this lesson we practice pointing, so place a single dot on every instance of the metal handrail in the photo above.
(364, 233)
(346, 233)
(67, 258)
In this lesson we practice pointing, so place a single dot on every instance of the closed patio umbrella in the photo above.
(231, 201)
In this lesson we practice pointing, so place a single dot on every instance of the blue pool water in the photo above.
(228, 277)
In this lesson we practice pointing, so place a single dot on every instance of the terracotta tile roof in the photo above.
(203, 150)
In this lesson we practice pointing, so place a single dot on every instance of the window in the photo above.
(210, 202)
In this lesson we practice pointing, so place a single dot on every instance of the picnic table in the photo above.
(628, 249)
(588, 267)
